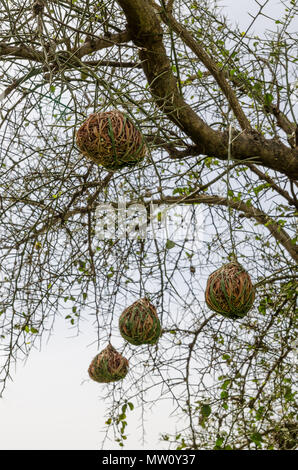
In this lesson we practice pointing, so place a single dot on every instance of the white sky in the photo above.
(51, 403)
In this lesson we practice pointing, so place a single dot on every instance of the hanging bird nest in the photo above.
(139, 323)
(229, 291)
(111, 140)
(108, 366)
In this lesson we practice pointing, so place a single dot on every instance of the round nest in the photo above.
(139, 323)
(229, 291)
(108, 366)
(111, 140)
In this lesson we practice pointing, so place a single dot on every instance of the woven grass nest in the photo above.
(139, 323)
(108, 366)
(111, 140)
(229, 291)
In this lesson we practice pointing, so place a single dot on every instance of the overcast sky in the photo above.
(51, 403)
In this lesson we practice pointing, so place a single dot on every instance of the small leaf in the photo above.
(219, 442)
(170, 244)
(124, 408)
(206, 410)
(226, 384)
(226, 357)
(256, 438)
(268, 98)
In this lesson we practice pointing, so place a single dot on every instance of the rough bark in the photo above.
(146, 32)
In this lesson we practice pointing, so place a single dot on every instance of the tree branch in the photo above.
(210, 65)
(273, 185)
(248, 211)
(147, 34)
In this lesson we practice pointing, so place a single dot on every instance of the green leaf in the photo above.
(177, 190)
(124, 408)
(226, 357)
(206, 410)
(260, 412)
(219, 442)
(170, 244)
(268, 98)
(256, 438)
(226, 384)
(221, 377)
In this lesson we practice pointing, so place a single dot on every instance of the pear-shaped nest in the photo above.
(111, 140)
(108, 366)
(229, 291)
(139, 323)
